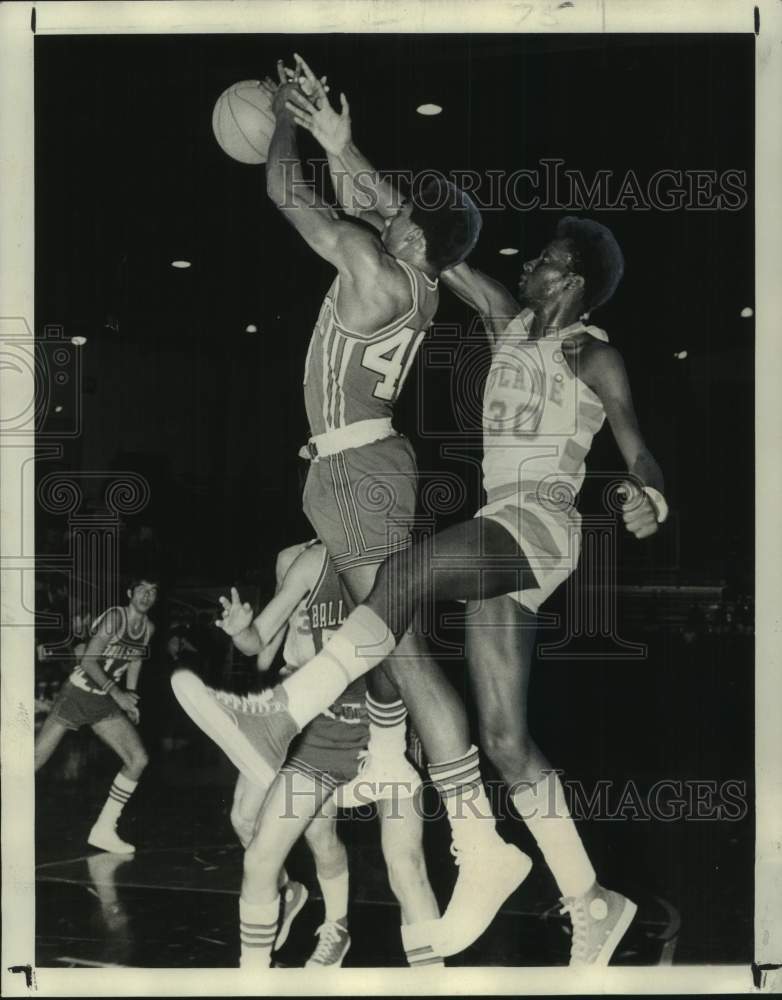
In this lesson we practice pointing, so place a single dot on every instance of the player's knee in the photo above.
(242, 827)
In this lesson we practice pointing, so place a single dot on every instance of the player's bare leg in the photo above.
(48, 739)
(290, 805)
(331, 864)
(500, 638)
(401, 836)
(119, 734)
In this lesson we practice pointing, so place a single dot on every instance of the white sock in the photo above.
(119, 793)
(417, 943)
(544, 809)
(335, 896)
(257, 931)
(360, 644)
(461, 789)
(387, 727)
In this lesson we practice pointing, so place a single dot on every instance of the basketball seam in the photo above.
(239, 127)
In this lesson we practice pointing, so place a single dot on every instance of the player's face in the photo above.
(143, 596)
(543, 276)
(397, 228)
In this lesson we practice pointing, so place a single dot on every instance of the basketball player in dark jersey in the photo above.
(93, 696)
(305, 610)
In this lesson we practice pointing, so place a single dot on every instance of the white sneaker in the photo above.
(378, 778)
(105, 838)
(489, 871)
(600, 919)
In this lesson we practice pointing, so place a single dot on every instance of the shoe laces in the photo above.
(577, 911)
(331, 935)
(253, 704)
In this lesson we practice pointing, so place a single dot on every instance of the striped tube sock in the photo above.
(544, 809)
(257, 931)
(417, 943)
(387, 727)
(360, 644)
(119, 793)
(461, 789)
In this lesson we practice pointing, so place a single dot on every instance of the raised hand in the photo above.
(638, 512)
(236, 615)
(312, 110)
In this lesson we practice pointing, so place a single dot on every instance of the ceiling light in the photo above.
(58, 409)
(746, 312)
(509, 251)
(180, 263)
(429, 109)
(681, 355)
(251, 328)
(78, 341)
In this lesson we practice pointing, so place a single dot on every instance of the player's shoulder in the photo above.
(601, 365)
(110, 622)
(307, 563)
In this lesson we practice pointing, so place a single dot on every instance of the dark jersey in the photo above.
(350, 376)
(122, 648)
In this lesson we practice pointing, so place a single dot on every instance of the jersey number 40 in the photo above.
(391, 358)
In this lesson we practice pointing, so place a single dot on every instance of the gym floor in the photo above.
(684, 715)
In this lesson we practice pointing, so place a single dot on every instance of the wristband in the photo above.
(658, 502)
(105, 688)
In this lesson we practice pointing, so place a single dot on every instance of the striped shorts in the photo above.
(328, 752)
(361, 502)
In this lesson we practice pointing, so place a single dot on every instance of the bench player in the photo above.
(93, 696)
(307, 607)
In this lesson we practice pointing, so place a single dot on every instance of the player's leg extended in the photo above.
(291, 803)
(401, 837)
(500, 639)
(119, 734)
(48, 739)
(331, 865)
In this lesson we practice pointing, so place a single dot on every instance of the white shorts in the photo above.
(549, 535)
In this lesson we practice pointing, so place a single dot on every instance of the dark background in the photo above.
(130, 177)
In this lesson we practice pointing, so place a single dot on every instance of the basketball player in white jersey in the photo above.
(93, 696)
(303, 798)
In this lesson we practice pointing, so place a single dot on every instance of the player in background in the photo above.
(93, 696)
(553, 382)
(306, 608)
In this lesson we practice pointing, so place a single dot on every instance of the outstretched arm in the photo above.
(263, 636)
(350, 248)
(491, 300)
(359, 188)
(604, 372)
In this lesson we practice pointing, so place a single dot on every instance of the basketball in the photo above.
(243, 121)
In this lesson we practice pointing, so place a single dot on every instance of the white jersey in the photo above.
(539, 420)
(538, 417)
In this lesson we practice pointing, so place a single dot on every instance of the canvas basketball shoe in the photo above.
(379, 777)
(600, 919)
(332, 947)
(489, 871)
(254, 730)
